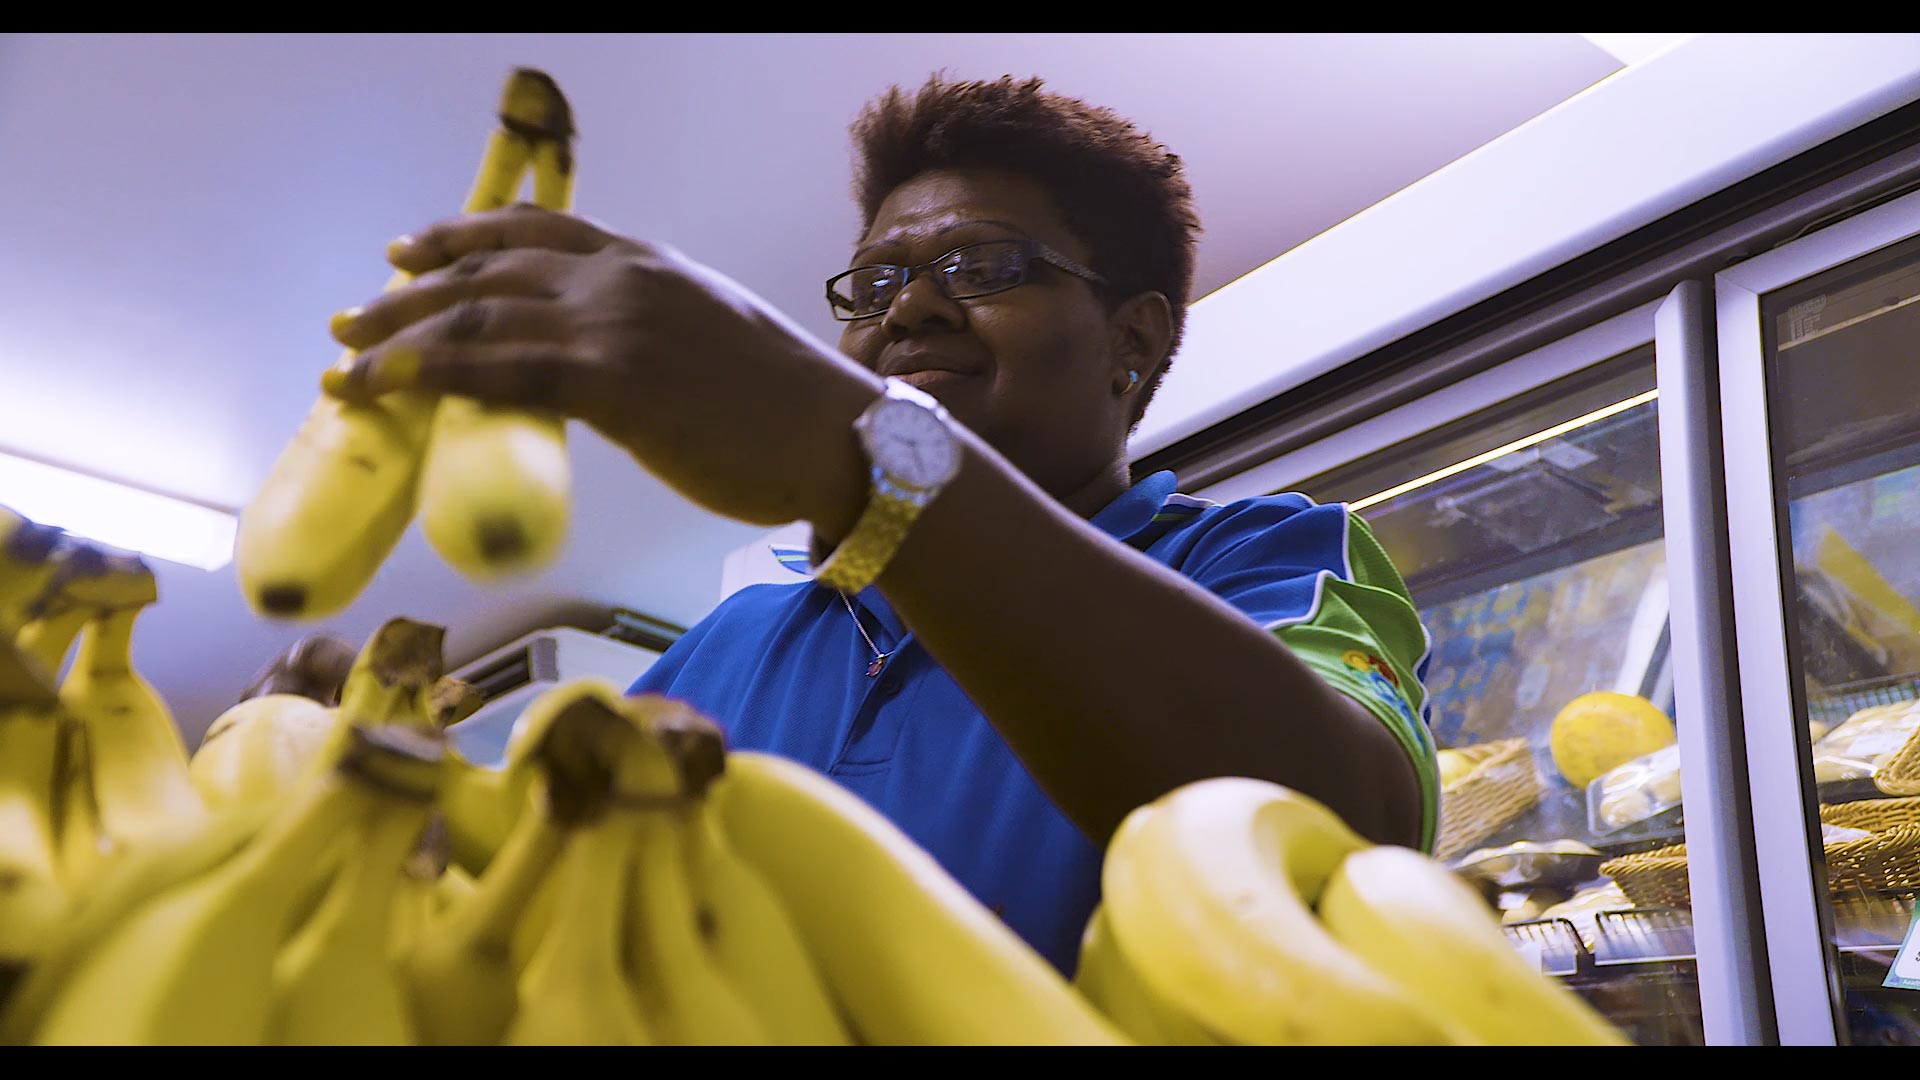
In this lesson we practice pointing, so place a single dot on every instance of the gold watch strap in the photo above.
(870, 546)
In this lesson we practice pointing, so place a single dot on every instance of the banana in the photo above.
(1412, 918)
(125, 880)
(30, 554)
(460, 973)
(574, 992)
(909, 954)
(463, 968)
(451, 889)
(32, 899)
(82, 845)
(87, 583)
(495, 490)
(195, 964)
(1106, 979)
(336, 983)
(29, 747)
(674, 973)
(49, 638)
(481, 804)
(343, 491)
(1209, 892)
(139, 778)
(755, 944)
(391, 682)
(259, 748)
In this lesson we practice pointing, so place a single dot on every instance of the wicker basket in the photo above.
(1656, 878)
(1503, 785)
(1901, 774)
(1887, 861)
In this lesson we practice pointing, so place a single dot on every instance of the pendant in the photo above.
(878, 663)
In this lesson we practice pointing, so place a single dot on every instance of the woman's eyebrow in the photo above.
(895, 238)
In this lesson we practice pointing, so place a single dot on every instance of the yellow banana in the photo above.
(909, 954)
(259, 749)
(30, 553)
(337, 983)
(1209, 892)
(756, 945)
(194, 965)
(1105, 978)
(460, 973)
(463, 968)
(29, 746)
(342, 493)
(668, 955)
(481, 804)
(87, 583)
(32, 899)
(495, 490)
(82, 845)
(48, 638)
(574, 992)
(452, 888)
(138, 766)
(1412, 918)
(391, 682)
(126, 879)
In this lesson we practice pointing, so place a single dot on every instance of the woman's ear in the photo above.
(1142, 328)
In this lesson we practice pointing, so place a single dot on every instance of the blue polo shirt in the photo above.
(783, 669)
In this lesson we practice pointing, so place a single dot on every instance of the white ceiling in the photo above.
(180, 215)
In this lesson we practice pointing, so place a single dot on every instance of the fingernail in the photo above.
(343, 319)
(398, 247)
(337, 379)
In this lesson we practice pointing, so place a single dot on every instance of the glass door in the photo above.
(1819, 350)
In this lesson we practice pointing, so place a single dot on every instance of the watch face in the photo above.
(911, 445)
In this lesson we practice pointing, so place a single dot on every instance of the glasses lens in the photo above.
(866, 290)
(979, 269)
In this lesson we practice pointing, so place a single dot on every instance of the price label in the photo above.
(1905, 972)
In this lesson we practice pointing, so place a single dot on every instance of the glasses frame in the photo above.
(1031, 251)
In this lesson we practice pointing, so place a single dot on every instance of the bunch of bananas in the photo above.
(1237, 911)
(490, 485)
(623, 880)
(90, 765)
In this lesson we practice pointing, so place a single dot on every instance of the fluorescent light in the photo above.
(1501, 451)
(118, 515)
(1631, 49)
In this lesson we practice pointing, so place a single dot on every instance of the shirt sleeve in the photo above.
(1318, 579)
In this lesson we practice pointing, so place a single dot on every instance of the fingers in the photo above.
(474, 276)
(518, 226)
(531, 375)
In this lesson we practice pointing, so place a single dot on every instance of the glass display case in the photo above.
(1820, 354)
(1662, 525)
(1531, 537)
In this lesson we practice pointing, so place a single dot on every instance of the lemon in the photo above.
(1453, 766)
(1600, 730)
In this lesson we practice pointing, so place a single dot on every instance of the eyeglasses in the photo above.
(962, 274)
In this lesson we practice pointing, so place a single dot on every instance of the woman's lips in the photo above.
(923, 364)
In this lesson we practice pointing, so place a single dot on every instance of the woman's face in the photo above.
(1032, 370)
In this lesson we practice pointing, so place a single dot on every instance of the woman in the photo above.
(1007, 644)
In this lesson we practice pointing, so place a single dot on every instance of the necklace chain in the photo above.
(879, 658)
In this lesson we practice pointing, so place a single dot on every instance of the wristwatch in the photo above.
(910, 441)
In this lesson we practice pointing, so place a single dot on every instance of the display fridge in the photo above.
(1659, 508)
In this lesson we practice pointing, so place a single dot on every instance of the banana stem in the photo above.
(106, 645)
